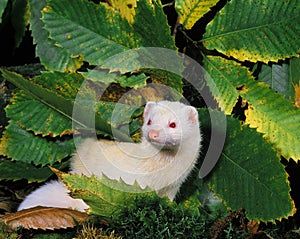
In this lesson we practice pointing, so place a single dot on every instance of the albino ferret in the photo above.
(162, 161)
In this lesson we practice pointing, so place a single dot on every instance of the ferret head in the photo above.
(168, 124)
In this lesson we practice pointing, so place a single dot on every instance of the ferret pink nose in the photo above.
(153, 134)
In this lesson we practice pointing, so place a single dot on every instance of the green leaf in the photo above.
(249, 174)
(277, 76)
(268, 111)
(3, 4)
(103, 195)
(154, 60)
(99, 35)
(133, 81)
(16, 170)
(151, 25)
(276, 118)
(51, 56)
(100, 76)
(19, 20)
(53, 89)
(191, 11)
(218, 78)
(295, 70)
(59, 91)
(294, 74)
(169, 79)
(103, 32)
(35, 116)
(23, 146)
(256, 30)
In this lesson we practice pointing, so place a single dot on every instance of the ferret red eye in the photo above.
(172, 125)
(149, 122)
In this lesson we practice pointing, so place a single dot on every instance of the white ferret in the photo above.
(167, 154)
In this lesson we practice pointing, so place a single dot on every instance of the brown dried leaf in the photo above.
(44, 218)
(297, 95)
(253, 226)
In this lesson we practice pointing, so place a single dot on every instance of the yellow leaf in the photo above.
(276, 129)
(191, 11)
(126, 8)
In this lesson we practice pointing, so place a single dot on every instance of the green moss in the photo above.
(157, 218)
(8, 233)
(91, 232)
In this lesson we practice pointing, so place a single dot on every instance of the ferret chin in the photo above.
(162, 161)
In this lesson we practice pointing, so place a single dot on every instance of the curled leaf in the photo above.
(103, 195)
(45, 218)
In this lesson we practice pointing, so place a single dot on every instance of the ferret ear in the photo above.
(192, 114)
(148, 107)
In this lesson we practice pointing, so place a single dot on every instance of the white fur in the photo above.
(162, 163)
(52, 194)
